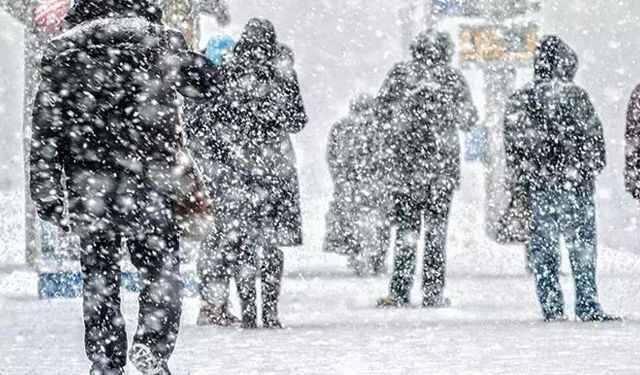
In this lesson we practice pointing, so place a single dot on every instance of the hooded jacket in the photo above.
(552, 131)
(106, 127)
(243, 140)
(429, 102)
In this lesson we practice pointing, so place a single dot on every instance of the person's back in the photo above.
(437, 105)
(432, 103)
(109, 88)
(555, 149)
(566, 136)
(106, 136)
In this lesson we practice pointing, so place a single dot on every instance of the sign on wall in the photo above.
(482, 8)
(497, 44)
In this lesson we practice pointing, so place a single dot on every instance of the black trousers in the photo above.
(409, 215)
(155, 255)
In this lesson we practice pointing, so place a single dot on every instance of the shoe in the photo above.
(597, 316)
(210, 316)
(436, 303)
(249, 324)
(556, 318)
(270, 321)
(387, 303)
(95, 370)
(146, 362)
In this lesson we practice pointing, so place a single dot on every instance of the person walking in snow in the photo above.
(253, 176)
(357, 224)
(430, 102)
(558, 149)
(632, 170)
(106, 139)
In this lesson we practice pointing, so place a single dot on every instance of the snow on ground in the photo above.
(493, 326)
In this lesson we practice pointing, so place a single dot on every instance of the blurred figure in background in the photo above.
(632, 171)
(357, 223)
(107, 158)
(244, 143)
(431, 102)
(558, 150)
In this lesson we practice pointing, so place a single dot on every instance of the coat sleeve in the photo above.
(293, 115)
(515, 123)
(334, 161)
(48, 147)
(594, 145)
(467, 113)
(632, 170)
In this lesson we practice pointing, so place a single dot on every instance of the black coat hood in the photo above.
(433, 48)
(258, 41)
(89, 10)
(555, 59)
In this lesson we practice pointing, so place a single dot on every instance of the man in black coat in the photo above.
(427, 102)
(555, 150)
(106, 135)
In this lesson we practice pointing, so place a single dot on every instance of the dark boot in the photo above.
(219, 317)
(271, 275)
(595, 314)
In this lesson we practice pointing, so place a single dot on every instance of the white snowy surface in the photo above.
(493, 326)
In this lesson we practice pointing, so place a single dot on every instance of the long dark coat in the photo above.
(428, 102)
(105, 127)
(243, 142)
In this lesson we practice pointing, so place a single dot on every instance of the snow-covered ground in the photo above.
(493, 326)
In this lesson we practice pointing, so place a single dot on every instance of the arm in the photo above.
(515, 124)
(336, 167)
(47, 152)
(293, 115)
(632, 170)
(467, 113)
(594, 147)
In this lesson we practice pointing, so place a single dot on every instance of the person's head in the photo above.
(362, 104)
(432, 48)
(88, 10)
(554, 59)
(258, 41)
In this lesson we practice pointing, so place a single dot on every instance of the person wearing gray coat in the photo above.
(429, 102)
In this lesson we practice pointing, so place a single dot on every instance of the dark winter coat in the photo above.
(106, 124)
(244, 140)
(552, 134)
(632, 171)
(552, 131)
(429, 102)
(354, 155)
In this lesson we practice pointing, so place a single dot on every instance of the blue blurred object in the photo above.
(217, 47)
(476, 144)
